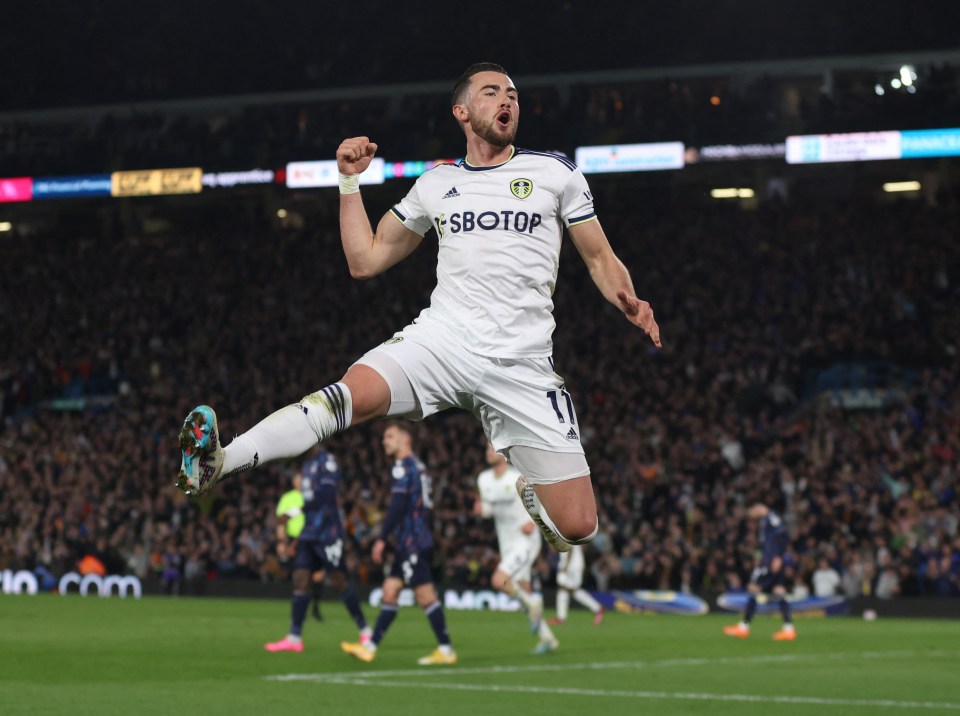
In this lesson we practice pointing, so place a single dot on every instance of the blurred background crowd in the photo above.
(809, 362)
(810, 334)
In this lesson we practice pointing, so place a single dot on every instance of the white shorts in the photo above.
(570, 569)
(518, 559)
(520, 402)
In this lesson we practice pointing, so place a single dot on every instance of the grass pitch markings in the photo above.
(649, 695)
(602, 665)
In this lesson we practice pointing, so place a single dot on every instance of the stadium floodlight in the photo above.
(907, 75)
(6, 226)
(281, 213)
(895, 186)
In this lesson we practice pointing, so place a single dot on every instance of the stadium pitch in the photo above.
(69, 655)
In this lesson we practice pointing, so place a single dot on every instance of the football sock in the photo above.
(388, 612)
(563, 604)
(751, 609)
(292, 430)
(438, 623)
(298, 612)
(785, 611)
(545, 632)
(587, 600)
(517, 593)
(352, 603)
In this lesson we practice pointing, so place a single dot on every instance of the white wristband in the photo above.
(349, 183)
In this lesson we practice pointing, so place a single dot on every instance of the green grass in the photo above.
(68, 655)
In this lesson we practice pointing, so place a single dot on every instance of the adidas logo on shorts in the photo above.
(452, 193)
(572, 435)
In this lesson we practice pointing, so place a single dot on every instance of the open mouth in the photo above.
(503, 119)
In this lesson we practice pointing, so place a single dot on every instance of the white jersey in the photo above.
(499, 500)
(500, 230)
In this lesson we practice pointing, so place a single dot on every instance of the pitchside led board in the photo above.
(630, 157)
(156, 182)
(873, 146)
(311, 175)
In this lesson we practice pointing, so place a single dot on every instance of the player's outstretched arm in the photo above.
(368, 253)
(612, 277)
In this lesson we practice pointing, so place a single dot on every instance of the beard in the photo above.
(490, 131)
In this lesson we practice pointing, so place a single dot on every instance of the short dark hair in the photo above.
(464, 80)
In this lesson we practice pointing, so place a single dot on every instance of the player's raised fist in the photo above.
(354, 155)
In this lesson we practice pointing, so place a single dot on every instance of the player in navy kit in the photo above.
(767, 578)
(410, 522)
(319, 547)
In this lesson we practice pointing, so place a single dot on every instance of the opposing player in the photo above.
(290, 522)
(319, 547)
(410, 520)
(518, 539)
(570, 583)
(768, 576)
(485, 341)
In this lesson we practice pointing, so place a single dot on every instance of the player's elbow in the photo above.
(361, 273)
(362, 270)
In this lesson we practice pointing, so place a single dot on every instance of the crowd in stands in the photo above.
(418, 126)
(248, 315)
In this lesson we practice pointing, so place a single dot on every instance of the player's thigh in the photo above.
(412, 569)
(523, 404)
(391, 590)
(424, 373)
(516, 561)
(309, 557)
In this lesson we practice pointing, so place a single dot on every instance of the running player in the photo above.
(485, 341)
(768, 576)
(570, 582)
(319, 547)
(518, 539)
(410, 520)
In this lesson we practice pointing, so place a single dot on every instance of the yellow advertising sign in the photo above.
(152, 182)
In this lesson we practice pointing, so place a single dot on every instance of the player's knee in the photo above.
(578, 529)
(301, 580)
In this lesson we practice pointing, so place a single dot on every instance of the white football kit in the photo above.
(570, 568)
(485, 341)
(499, 500)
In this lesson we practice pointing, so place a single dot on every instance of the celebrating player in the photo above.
(485, 341)
(768, 577)
(570, 582)
(518, 539)
(410, 519)
(319, 547)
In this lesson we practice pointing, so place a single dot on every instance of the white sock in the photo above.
(584, 597)
(546, 634)
(445, 649)
(520, 595)
(293, 638)
(292, 430)
(563, 604)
